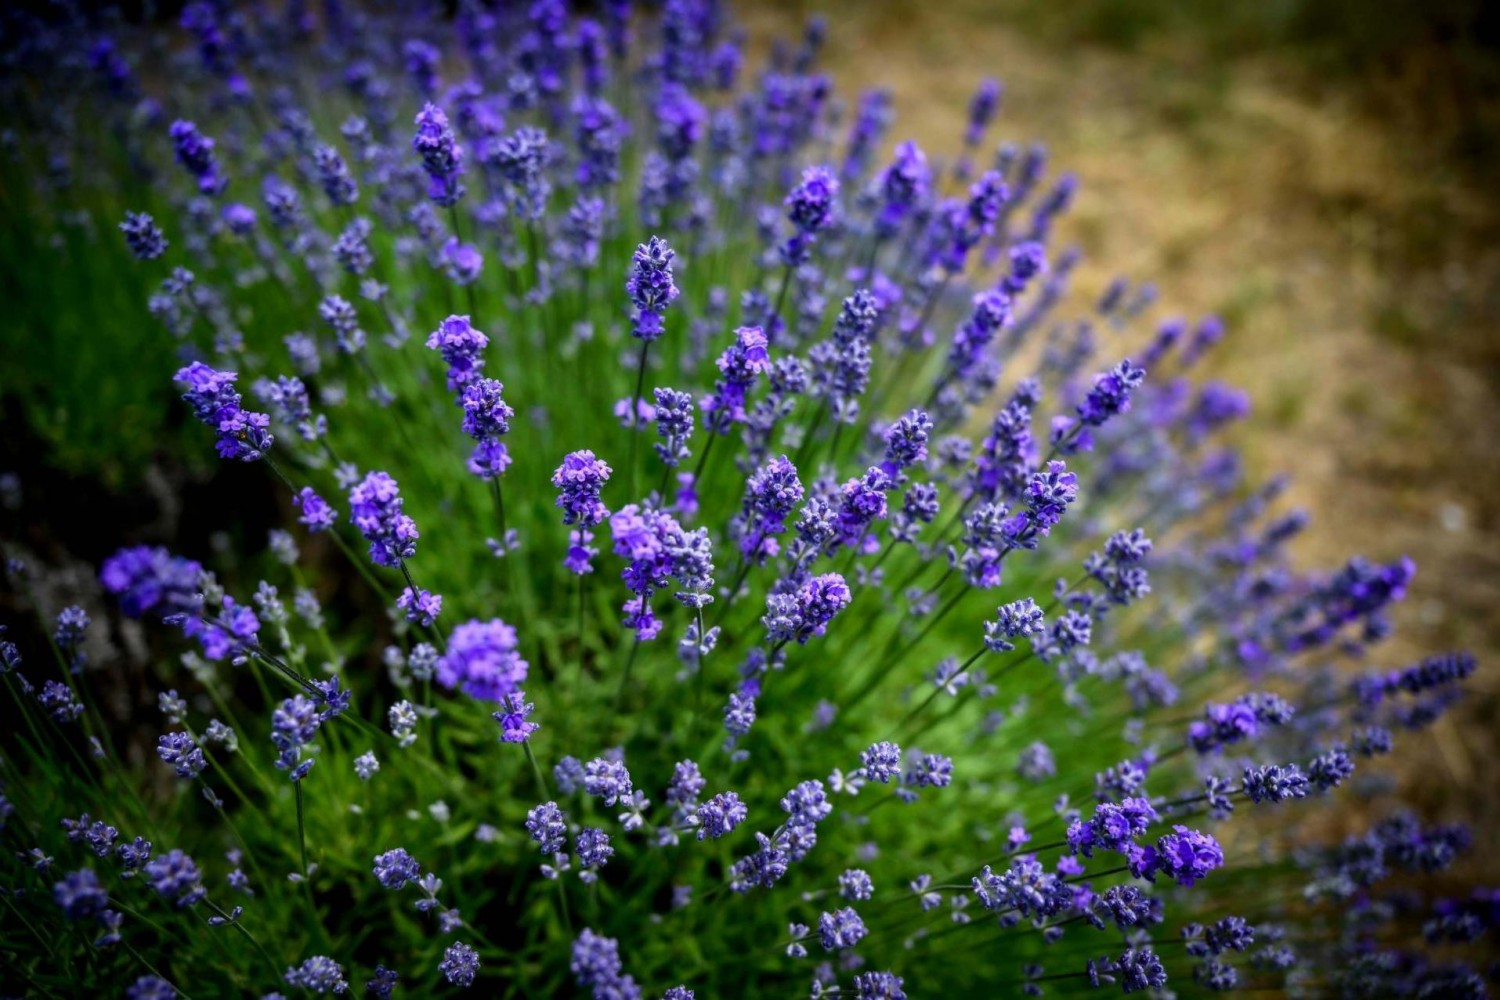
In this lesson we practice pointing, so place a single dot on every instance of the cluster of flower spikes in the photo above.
(609, 198)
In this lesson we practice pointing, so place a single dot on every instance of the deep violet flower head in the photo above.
(375, 508)
(244, 435)
(462, 347)
(143, 235)
(149, 580)
(195, 152)
(580, 481)
(651, 288)
(460, 964)
(442, 157)
(483, 660)
(807, 611)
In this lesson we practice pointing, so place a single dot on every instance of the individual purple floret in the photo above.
(97, 835)
(595, 962)
(862, 501)
(687, 782)
(969, 223)
(1113, 827)
(375, 508)
(1242, 719)
(59, 701)
(1330, 769)
(461, 262)
(343, 320)
(879, 986)
(293, 725)
(906, 442)
(1140, 969)
(483, 660)
(383, 984)
(982, 107)
(904, 186)
(288, 395)
(1110, 394)
(856, 884)
(771, 493)
(650, 288)
(840, 365)
(1274, 783)
(333, 174)
(520, 159)
(648, 538)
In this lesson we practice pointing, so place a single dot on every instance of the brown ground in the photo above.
(1354, 256)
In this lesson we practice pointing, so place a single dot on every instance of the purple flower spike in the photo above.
(650, 287)
(375, 509)
(244, 435)
(581, 477)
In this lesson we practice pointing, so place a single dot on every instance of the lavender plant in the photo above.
(718, 555)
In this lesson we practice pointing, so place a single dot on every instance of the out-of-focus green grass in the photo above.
(86, 365)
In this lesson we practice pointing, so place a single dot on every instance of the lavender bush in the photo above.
(720, 557)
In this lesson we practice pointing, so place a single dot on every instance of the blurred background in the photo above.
(1323, 174)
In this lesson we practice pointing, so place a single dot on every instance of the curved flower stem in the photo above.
(635, 649)
(635, 433)
(917, 710)
(703, 459)
(301, 831)
(248, 936)
(697, 683)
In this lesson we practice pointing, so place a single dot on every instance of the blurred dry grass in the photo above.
(1340, 213)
